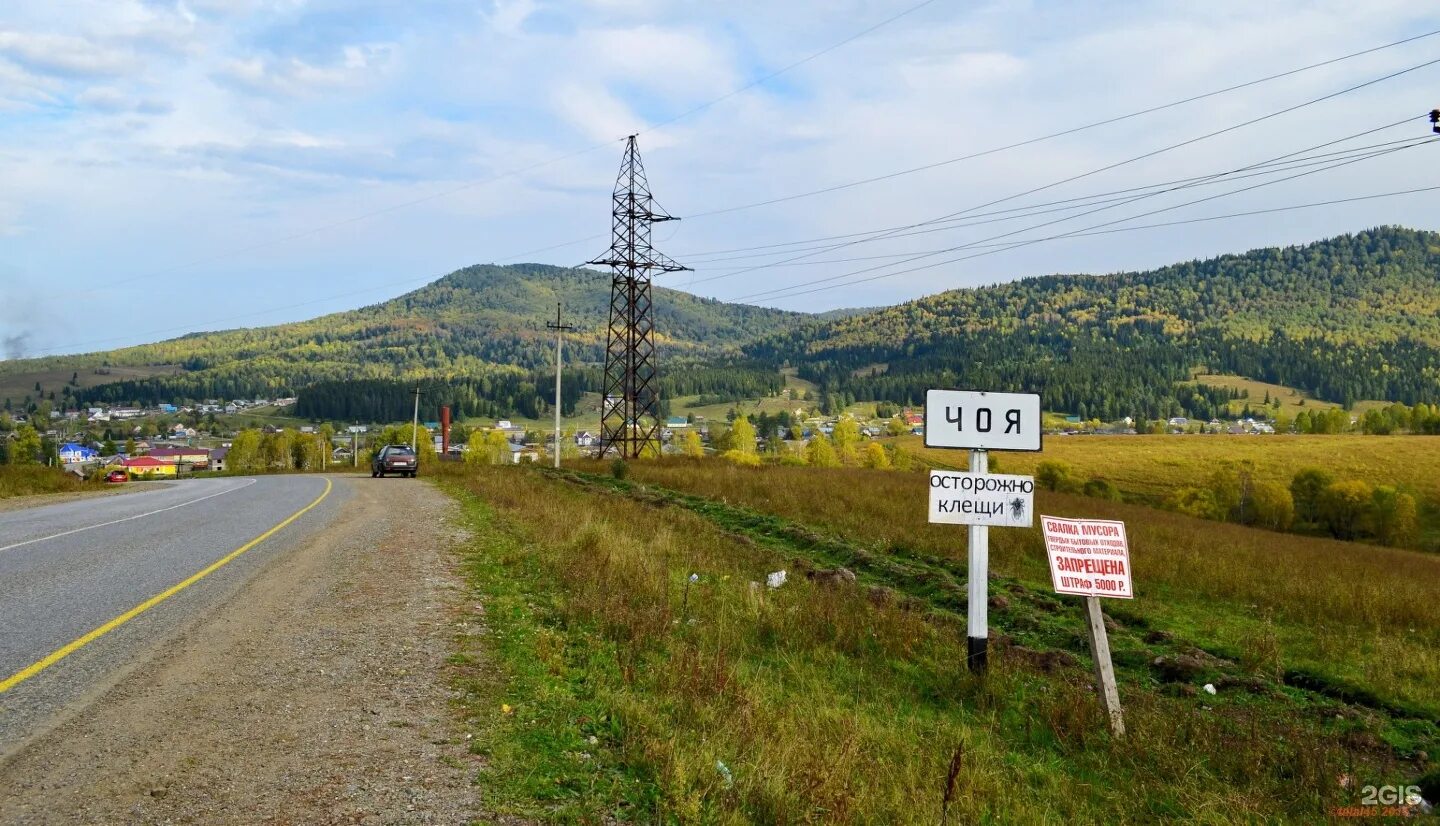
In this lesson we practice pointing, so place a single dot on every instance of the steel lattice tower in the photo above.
(630, 408)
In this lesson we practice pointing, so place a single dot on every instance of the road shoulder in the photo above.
(315, 695)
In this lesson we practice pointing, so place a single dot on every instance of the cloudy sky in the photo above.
(175, 166)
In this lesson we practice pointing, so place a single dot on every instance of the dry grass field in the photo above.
(629, 670)
(1359, 613)
(1150, 467)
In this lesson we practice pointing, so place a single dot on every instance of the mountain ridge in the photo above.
(1115, 344)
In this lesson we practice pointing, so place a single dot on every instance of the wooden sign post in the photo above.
(1104, 668)
(1091, 558)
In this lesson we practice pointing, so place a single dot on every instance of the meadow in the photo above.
(626, 668)
(1148, 468)
(1358, 614)
(30, 480)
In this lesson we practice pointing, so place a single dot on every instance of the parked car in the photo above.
(117, 476)
(394, 459)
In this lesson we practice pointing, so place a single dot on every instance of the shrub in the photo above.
(820, 453)
(740, 457)
(1102, 489)
(1055, 475)
(1393, 516)
(875, 457)
(1305, 490)
(1271, 506)
(1192, 501)
(1344, 508)
(619, 469)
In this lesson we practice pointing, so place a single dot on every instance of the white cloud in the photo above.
(65, 55)
(158, 132)
(293, 76)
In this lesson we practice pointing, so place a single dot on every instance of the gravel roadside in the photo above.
(315, 696)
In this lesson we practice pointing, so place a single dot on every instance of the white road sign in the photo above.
(1088, 557)
(982, 421)
(994, 499)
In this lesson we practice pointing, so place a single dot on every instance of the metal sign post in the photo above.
(980, 422)
(977, 574)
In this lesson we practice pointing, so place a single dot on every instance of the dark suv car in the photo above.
(394, 459)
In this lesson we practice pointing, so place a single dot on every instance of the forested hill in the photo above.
(1348, 318)
(478, 321)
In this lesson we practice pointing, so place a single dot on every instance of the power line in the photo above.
(1049, 223)
(1072, 233)
(1012, 213)
(1004, 247)
(1143, 156)
(1064, 132)
(1062, 219)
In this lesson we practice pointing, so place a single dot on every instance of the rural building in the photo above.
(71, 453)
(195, 456)
(148, 466)
(217, 458)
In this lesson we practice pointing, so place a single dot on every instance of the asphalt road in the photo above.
(88, 587)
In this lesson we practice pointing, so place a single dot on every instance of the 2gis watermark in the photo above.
(1385, 801)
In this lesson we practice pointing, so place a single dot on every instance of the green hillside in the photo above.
(1348, 318)
(479, 321)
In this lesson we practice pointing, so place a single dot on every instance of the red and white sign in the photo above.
(1088, 557)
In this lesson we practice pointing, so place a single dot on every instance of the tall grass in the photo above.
(29, 480)
(727, 702)
(1358, 612)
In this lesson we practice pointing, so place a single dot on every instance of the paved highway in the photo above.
(88, 587)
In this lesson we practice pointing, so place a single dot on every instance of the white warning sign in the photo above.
(995, 499)
(1088, 557)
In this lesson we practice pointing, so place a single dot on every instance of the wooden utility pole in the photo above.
(415, 425)
(559, 337)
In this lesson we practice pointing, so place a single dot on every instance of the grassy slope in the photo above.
(31, 480)
(16, 386)
(619, 689)
(1340, 608)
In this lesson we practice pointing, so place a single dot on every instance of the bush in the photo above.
(1305, 490)
(1393, 516)
(740, 457)
(1271, 506)
(1196, 502)
(1344, 508)
(1055, 475)
(1102, 489)
(619, 469)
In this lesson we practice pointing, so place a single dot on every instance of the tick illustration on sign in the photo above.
(1017, 508)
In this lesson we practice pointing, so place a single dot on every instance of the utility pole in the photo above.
(559, 337)
(355, 445)
(415, 425)
(630, 408)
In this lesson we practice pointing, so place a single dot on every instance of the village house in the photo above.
(147, 466)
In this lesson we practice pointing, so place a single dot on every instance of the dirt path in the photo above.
(315, 696)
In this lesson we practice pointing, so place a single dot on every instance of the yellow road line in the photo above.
(75, 645)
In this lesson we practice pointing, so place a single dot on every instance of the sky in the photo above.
(188, 165)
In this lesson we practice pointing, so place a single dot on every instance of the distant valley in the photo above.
(1344, 319)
